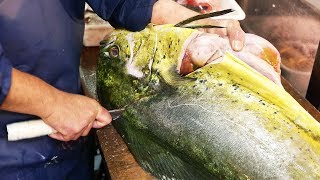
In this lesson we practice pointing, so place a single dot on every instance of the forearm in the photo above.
(29, 94)
(170, 12)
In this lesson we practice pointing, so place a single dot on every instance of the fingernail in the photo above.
(237, 45)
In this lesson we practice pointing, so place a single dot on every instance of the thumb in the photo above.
(103, 118)
(236, 35)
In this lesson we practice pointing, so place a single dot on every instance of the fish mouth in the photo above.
(198, 52)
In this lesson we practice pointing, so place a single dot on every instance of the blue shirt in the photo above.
(44, 38)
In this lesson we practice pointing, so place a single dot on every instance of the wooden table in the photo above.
(120, 161)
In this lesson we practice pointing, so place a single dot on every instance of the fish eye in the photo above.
(114, 51)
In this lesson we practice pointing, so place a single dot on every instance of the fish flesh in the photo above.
(195, 109)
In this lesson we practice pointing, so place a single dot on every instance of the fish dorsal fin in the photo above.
(265, 88)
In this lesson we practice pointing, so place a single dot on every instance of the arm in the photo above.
(71, 115)
(170, 12)
(135, 15)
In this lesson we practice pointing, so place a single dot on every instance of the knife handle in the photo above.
(28, 129)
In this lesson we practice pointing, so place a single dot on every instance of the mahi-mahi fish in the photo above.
(195, 109)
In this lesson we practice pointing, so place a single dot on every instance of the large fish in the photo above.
(192, 113)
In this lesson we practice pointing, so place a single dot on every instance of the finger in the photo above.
(87, 129)
(61, 137)
(77, 135)
(220, 31)
(58, 136)
(103, 118)
(236, 35)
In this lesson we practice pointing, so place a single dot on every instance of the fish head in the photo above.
(123, 67)
(133, 65)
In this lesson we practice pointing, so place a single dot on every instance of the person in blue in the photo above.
(40, 45)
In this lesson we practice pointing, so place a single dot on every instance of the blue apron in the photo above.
(44, 38)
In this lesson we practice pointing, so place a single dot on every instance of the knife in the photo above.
(36, 128)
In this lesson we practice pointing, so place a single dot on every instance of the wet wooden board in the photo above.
(120, 162)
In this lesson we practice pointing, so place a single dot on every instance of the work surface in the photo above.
(120, 161)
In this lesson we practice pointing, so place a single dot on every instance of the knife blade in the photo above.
(36, 128)
(116, 113)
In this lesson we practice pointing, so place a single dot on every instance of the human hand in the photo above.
(233, 31)
(73, 115)
(70, 115)
(171, 12)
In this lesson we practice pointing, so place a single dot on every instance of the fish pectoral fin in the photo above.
(156, 157)
(172, 77)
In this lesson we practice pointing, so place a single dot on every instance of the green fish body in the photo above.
(222, 121)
